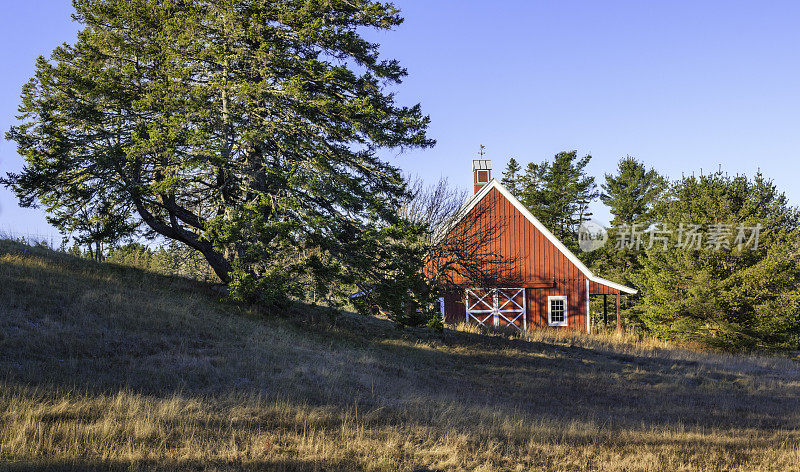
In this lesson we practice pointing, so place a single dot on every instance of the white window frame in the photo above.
(550, 298)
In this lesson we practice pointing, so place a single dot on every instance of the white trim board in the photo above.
(588, 315)
(494, 183)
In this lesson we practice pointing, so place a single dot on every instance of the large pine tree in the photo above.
(245, 130)
(512, 176)
(735, 285)
(631, 193)
(558, 193)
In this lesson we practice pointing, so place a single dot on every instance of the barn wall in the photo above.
(536, 259)
(575, 290)
(600, 289)
(454, 309)
(538, 264)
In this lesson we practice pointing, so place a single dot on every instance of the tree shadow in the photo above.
(66, 328)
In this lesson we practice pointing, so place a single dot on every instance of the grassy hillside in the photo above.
(111, 368)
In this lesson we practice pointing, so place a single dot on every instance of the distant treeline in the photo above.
(170, 259)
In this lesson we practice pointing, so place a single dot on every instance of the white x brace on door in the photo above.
(500, 306)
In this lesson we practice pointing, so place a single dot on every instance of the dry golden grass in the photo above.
(110, 368)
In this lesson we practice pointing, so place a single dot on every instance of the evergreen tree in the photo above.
(735, 287)
(247, 131)
(532, 191)
(558, 194)
(631, 193)
(570, 190)
(511, 177)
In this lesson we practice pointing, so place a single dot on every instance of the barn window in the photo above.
(557, 310)
(483, 177)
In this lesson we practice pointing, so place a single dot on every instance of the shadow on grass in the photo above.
(72, 325)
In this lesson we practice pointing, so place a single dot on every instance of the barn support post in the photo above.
(496, 312)
(619, 319)
(588, 315)
(605, 311)
(466, 305)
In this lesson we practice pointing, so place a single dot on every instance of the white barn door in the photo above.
(497, 307)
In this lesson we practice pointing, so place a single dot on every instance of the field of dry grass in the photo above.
(111, 368)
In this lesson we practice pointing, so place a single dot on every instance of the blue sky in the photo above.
(682, 86)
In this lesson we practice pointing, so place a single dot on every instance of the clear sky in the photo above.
(682, 86)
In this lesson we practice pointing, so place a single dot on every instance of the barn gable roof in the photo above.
(495, 184)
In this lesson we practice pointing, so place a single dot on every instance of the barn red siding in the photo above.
(454, 309)
(575, 291)
(600, 289)
(539, 265)
(537, 260)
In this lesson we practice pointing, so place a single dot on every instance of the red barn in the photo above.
(551, 285)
